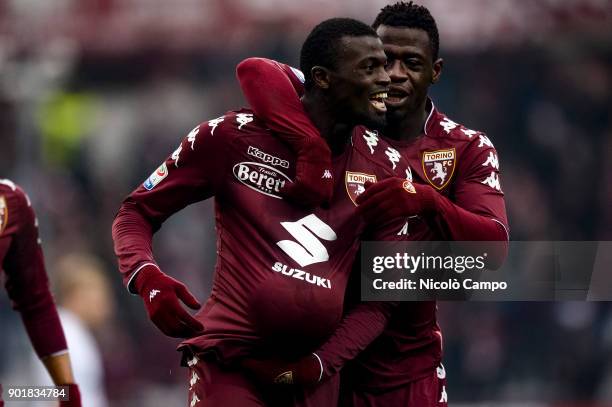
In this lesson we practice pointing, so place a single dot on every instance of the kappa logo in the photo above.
(493, 181)
(194, 379)
(439, 166)
(243, 119)
(393, 155)
(267, 158)
(327, 175)
(158, 176)
(152, 294)
(213, 125)
(261, 178)
(3, 214)
(409, 174)
(354, 182)
(492, 160)
(371, 138)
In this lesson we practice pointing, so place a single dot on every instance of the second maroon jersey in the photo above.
(21, 259)
(281, 269)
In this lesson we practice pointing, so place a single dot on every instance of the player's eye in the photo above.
(413, 63)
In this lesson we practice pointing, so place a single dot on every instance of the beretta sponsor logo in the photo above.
(260, 177)
(354, 183)
(267, 158)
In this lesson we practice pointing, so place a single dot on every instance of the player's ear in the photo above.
(437, 70)
(320, 76)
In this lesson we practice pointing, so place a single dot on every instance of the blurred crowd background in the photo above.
(94, 94)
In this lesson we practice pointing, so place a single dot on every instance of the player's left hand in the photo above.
(74, 395)
(307, 371)
(395, 198)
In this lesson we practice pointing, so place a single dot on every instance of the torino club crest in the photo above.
(3, 214)
(439, 166)
(354, 183)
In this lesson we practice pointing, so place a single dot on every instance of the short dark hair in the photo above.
(410, 15)
(322, 46)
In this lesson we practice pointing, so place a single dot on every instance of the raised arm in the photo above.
(273, 91)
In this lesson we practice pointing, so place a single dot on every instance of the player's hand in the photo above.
(74, 396)
(307, 371)
(161, 294)
(313, 185)
(395, 198)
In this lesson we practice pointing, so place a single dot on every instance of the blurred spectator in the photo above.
(85, 304)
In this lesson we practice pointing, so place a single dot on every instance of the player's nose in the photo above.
(382, 78)
(396, 71)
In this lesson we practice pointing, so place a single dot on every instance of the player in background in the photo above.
(282, 268)
(456, 195)
(28, 287)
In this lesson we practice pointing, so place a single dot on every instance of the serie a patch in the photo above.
(158, 176)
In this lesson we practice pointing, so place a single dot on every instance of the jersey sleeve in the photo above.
(357, 330)
(192, 173)
(27, 283)
(273, 90)
(477, 211)
(478, 188)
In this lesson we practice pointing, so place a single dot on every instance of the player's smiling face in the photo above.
(410, 66)
(359, 84)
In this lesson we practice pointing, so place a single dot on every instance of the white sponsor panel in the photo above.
(261, 178)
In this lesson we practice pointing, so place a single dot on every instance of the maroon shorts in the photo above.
(429, 391)
(210, 384)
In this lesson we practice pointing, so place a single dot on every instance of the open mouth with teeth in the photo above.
(377, 100)
(396, 96)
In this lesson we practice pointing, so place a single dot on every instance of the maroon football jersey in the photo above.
(463, 166)
(281, 270)
(27, 284)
